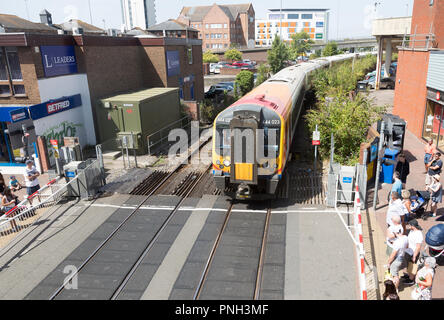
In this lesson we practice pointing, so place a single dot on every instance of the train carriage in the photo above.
(252, 137)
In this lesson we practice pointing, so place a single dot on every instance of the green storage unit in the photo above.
(141, 113)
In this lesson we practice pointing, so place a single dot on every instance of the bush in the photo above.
(233, 55)
(278, 55)
(209, 57)
(263, 73)
(331, 49)
(245, 81)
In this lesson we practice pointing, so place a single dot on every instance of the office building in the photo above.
(313, 21)
(138, 14)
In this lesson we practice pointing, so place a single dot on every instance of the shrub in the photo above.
(209, 57)
(245, 81)
(278, 55)
(262, 74)
(233, 54)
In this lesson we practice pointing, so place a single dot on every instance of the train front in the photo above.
(247, 149)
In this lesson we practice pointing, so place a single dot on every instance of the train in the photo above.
(252, 137)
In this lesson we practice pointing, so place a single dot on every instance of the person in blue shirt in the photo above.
(397, 185)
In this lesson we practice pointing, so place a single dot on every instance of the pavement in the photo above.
(414, 150)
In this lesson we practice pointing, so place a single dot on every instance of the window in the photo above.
(14, 63)
(216, 26)
(206, 26)
(208, 46)
(307, 16)
(19, 89)
(225, 36)
(431, 2)
(293, 16)
(4, 90)
(3, 69)
(212, 36)
(319, 24)
(190, 55)
(226, 45)
(276, 16)
(225, 25)
(207, 36)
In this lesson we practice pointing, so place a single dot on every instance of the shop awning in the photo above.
(13, 114)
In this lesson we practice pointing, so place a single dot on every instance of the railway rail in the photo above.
(148, 188)
(255, 295)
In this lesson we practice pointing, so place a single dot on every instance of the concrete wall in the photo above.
(392, 26)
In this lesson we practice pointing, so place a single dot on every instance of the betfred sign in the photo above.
(19, 115)
(57, 106)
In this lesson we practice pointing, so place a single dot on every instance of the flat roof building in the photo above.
(287, 22)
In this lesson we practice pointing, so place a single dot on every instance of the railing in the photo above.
(28, 212)
(157, 138)
(418, 42)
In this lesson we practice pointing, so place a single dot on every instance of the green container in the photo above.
(143, 112)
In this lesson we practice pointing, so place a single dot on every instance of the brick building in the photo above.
(221, 25)
(419, 93)
(52, 83)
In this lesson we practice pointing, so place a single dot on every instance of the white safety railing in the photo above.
(357, 238)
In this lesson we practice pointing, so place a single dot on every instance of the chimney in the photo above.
(45, 17)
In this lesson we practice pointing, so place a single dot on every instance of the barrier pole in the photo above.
(360, 246)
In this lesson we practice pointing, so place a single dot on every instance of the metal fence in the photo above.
(29, 211)
(156, 140)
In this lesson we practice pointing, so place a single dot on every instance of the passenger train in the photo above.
(252, 137)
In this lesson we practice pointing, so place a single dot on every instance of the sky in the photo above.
(348, 18)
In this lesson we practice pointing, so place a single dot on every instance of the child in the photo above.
(14, 185)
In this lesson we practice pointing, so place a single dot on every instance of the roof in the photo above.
(297, 10)
(139, 32)
(139, 95)
(10, 21)
(68, 25)
(196, 14)
(171, 25)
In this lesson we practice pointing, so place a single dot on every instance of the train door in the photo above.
(243, 129)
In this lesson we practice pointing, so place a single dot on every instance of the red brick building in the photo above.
(52, 83)
(221, 25)
(419, 93)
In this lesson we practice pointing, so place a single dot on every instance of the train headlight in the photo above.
(218, 162)
(221, 166)
(227, 163)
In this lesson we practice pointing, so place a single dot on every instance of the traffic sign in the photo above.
(316, 142)
(55, 146)
(316, 138)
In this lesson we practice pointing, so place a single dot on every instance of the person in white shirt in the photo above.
(397, 259)
(31, 181)
(416, 238)
(396, 207)
(393, 231)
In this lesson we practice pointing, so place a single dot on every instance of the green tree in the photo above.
(330, 49)
(263, 72)
(300, 44)
(278, 54)
(233, 54)
(245, 81)
(209, 57)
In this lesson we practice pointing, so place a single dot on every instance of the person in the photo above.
(390, 291)
(395, 208)
(407, 204)
(435, 193)
(393, 231)
(435, 166)
(9, 200)
(397, 185)
(424, 280)
(429, 150)
(14, 184)
(415, 238)
(403, 168)
(2, 184)
(31, 181)
(397, 261)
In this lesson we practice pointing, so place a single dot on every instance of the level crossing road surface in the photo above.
(306, 254)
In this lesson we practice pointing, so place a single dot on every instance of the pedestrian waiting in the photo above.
(424, 280)
(429, 150)
(397, 261)
(435, 167)
(396, 207)
(415, 238)
(435, 189)
(397, 185)
(403, 168)
(407, 204)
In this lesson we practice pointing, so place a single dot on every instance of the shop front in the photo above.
(433, 120)
(20, 127)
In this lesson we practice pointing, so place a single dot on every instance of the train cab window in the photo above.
(223, 139)
(271, 142)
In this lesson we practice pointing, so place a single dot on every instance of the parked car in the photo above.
(215, 91)
(222, 64)
(386, 83)
(213, 67)
(228, 85)
(240, 64)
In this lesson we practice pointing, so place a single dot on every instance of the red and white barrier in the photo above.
(360, 245)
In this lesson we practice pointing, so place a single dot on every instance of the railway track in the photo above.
(255, 294)
(148, 188)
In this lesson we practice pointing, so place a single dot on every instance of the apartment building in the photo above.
(221, 26)
(287, 22)
(138, 13)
